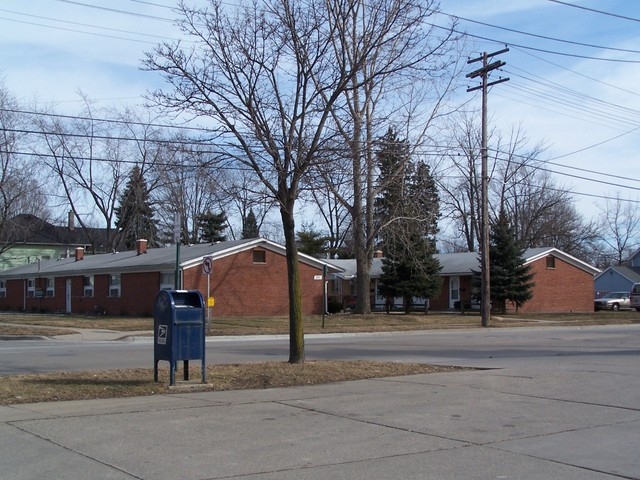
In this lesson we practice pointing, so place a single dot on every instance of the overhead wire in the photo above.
(531, 91)
(544, 37)
(602, 12)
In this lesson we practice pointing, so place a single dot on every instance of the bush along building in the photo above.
(246, 278)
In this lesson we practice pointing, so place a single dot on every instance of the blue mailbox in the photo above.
(179, 330)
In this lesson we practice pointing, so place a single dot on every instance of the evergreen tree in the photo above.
(312, 242)
(250, 227)
(212, 226)
(510, 278)
(134, 215)
(406, 214)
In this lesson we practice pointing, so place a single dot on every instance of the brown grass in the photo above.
(139, 382)
(50, 325)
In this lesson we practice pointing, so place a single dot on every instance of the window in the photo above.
(31, 287)
(3, 288)
(551, 262)
(167, 280)
(259, 256)
(87, 281)
(50, 291)
(114, 285)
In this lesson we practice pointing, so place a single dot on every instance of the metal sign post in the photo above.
(207, 267)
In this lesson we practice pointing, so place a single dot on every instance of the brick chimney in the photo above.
(377, 254)
(71, 221)
(141, 246)
(79, 253)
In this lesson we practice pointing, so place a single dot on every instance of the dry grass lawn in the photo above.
(139, 382)
(52, 325)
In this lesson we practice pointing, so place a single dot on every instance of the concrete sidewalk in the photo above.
(575, 421)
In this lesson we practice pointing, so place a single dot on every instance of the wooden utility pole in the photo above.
(485, 305)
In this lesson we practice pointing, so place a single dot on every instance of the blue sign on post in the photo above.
(179, 330)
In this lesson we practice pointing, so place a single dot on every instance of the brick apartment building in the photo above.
(248, 278)
(563, 283)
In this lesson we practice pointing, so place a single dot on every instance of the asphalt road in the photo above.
(552, 403)
(485, 348)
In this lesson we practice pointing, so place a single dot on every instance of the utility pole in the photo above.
(485, 305)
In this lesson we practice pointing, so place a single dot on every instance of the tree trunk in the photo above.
(296, 327)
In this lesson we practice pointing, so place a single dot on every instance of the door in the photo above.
(454, 291)
(68, 295)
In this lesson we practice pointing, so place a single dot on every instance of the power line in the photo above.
(544, 37)
(79, 31)
(542, 50)
(596, 11)
(68, 22)
(104, 120)
(115, 10)
(597, 80)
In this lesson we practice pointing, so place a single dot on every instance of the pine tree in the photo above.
(212, 226)
(406, 213)
(510, 278)
(312, 242)
(250, 227)
(134, 215)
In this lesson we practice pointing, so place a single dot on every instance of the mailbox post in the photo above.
(179, 323)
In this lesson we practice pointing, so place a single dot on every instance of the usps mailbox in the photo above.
(179, 330)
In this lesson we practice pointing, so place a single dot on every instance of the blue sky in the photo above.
(581, 101)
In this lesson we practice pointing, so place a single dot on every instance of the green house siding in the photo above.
(24, 254)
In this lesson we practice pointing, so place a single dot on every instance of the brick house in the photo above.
(562, 282)
(249, 277)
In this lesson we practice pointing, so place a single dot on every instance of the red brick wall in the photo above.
(239, 287)
(138, 291)
(243, 288)
(564, 288)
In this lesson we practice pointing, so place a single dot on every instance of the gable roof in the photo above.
(464, 263)
(28, 229)
(533, 254)
(630, 273)
(156, 259)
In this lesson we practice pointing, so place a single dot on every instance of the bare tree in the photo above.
(263, 74)
(330, 199)
(620, 227)
(404, 71)
(21, 190)
(185, 186)
(521, 186)
(459, 181)
(87, 161)
(243, 194)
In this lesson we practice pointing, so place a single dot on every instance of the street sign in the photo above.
(207, 265)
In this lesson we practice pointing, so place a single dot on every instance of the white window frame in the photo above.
(31, 288)
(50, 290)
(87, 285)
(115, 289)
(167, 280)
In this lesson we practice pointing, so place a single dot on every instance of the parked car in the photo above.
(635, 296)
(612, 301)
